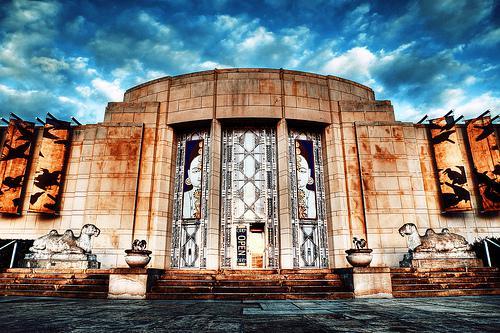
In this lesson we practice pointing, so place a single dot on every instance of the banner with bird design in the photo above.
(454, 193)
(486, 161)
(16, 153)
(51, 165)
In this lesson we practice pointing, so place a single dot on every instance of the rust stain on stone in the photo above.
(383, 153)
(368, 182)
(122, 147)
(397, 132)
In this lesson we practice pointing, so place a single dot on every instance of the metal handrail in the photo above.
(13, 251)
(486, 240)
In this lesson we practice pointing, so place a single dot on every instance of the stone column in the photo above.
(213, 234)
(162, 209)
(285, 219)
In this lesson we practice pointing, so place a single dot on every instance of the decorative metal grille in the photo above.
(309, 234)
(249, 191)
(189, 232)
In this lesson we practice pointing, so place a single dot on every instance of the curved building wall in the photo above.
(377, 173)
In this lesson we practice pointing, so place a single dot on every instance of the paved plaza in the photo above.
(445, 314)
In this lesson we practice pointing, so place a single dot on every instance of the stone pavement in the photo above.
(444, 314)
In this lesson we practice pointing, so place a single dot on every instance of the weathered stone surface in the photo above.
(127, 286)
(459, 314)
(61, 261)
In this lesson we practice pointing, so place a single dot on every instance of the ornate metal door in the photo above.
(249, 198)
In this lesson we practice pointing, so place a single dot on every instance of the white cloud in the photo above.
(111, 90)
(490, 38)
(226, 22)
(470, 80)
(354, 64)
(459, 101)
(50, 65)
(406, 111)
(17, 93)
(207, 65)
(259, 38)
(85, 91)
(477, 105)
(452, 96)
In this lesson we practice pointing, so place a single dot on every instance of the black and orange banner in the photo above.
(45, 197)
(486, 161)
(455, 196)
(16, 153)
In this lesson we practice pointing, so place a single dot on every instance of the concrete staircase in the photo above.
(431, 282)
(247, 285)
(61, 283)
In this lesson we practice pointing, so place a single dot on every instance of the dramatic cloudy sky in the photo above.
(72, 57)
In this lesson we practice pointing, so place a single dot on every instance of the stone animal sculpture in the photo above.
(359, 243)
(139, 245)
(54, 242)
(443, 241)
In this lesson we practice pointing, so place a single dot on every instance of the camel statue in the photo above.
(66, 243)
(443, 241)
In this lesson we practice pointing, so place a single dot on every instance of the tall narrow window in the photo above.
(189, 232)
(309, 234)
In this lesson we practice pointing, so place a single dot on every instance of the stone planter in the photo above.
(137, 258)
(359, 257)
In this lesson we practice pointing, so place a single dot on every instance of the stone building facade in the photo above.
(249, 168)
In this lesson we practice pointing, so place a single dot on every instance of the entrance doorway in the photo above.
(249, 199)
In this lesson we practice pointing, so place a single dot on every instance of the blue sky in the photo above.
(72, 57)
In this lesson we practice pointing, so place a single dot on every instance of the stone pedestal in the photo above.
(441, 260)
(61, 261)
(131, 283)
(368, 282)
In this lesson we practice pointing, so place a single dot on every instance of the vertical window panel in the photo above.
(189, 232)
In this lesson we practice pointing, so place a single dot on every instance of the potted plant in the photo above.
(138, 256)
(359, 256)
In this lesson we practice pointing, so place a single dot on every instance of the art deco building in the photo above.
(248, 169)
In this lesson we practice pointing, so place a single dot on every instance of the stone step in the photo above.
(248, 277)
(58, 271)
(251, 289)
(184, 282)
(306, 271)
(309, 289)
(420, 280)
(248, 272)
(170, 272)
(15, 280)
(62, 287)
(280, 282)
(443, 269)
(436, 286)
(181, 289)
(187, 277)
(443, 274)
(329, 276)
(54, 275)
(333, 282)
(51, 293)
(251, 296)
(446, 292)
(255, 277)
(229, 283)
